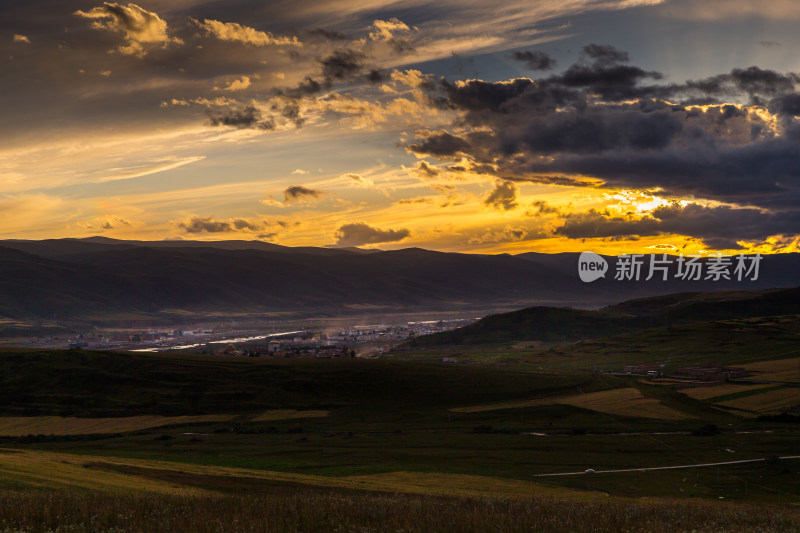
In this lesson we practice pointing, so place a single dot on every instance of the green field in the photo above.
(407, 434)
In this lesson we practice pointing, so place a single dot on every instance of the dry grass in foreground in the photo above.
(623, 402)
(712, 391)
(766, 402)
(289, 414)
(26, 469)
(310, 510)
(786, 370)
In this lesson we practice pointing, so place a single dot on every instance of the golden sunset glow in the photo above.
(488, 134)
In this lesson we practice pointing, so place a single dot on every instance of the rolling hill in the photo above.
(560, 325)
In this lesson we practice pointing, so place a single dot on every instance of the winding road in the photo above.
(648, 469)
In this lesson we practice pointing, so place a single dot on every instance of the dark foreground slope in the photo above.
(87, 383)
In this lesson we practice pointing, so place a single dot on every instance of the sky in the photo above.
(618, 126)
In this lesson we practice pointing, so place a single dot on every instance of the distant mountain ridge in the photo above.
(97, 278)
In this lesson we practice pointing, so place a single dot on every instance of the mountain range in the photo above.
(97, 279)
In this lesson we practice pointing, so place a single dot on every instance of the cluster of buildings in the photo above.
(710, 372)
(290, 349)
(704, 373)
(361, 340)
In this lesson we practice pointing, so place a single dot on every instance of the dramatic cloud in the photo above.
(247, 117)
(719, 227)
(238, 84)
(597, 121)
(211, 225)
(199, 225)
(138, 26)
(233, 32)
(114, 222)
(385, 29)
(503, 197)
(342, 64)
(359, 233)
(426, 171)
(605, 54)
(506, 234)
(242, 224)
(535, 59)
(540, 207)
(298, 193)
(603, 123)
(440, 144)
(369, 85)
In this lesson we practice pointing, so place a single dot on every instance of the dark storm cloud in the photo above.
(209, 225)
(342, 64)
(594, 224)
(212, 225)
(755, 82)
(547, 129)
(299, 193)
(611, 81)
(540, 207)
(331, 35)
(503, 197)
(764, 173)
(359, 233)
(604, 53)
(441, 144)
(242, 224)
(377, 75)
(291, 112)
(308, 87)
(787, 104)
(602, 119)
(247, 117)
(427, 171)
(401, 45)
(719, 227)
(601, 129)
(477, 95)
(535, 59)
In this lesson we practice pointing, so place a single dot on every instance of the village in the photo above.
(273, 340)
(702, 375)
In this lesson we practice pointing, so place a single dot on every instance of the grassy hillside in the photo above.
(548, 324)
(87, 383)
(162, 427)
(727, 342)
(563, 325)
